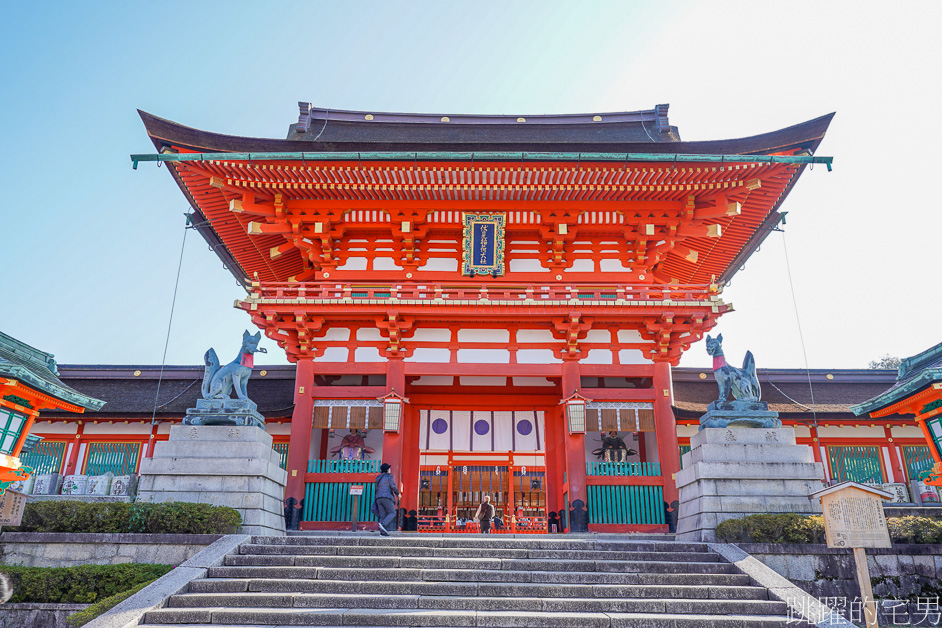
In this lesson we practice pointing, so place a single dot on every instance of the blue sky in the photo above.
(91, 247)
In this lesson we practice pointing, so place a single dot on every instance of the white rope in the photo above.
(173, 304)
(801, 335)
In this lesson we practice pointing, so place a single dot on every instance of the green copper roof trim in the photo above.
(919, 371)
(898, 393)
(484, 156)
(37, 369)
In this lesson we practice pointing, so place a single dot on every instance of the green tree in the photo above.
(886, 362)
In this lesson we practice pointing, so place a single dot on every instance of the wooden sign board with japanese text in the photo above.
(12, 505)
(854, 517)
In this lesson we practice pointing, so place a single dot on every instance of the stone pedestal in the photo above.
(219, 465)
(735, 472)
(241, 412)
(740, 413)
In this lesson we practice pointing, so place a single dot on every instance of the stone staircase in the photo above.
(472, 581)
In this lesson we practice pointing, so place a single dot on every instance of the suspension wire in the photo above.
(801, 336)
(173, 304)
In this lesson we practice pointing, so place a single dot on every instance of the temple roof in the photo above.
(787, 391)
(915, 374)
(37, 370)
(348, 131)
(377, 158)
(129, 395)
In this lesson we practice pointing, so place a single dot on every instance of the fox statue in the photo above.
(741, 383)
(218, 382)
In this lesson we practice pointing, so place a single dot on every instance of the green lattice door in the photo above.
(917, 459)
(856, 464)
(46, 458)
(118, 458)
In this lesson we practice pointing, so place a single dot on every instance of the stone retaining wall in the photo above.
(900, 572)
(37, 615)
(49, 549)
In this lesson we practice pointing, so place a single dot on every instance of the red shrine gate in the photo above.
(410, 263)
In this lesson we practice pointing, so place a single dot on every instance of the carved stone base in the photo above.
(219, 465)
(732, 473)
(240, 412)
(755, 414)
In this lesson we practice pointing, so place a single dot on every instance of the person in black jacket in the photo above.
(484, 514)
(385, 504)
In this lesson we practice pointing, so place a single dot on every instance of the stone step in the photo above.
(470, 552)
(482, 541)
(436, 617)
(288, 586)
(503, 564)
(674, 605)
(729, 577)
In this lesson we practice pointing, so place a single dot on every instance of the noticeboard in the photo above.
(854, 518)
(12, 505)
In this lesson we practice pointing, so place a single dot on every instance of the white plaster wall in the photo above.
(598, 336)
(108, 429)
(484, 356)
(370, 334)
(687, 431)
(802, 431)
(385, 263)
(536, 335)
(430, 355)
(278, 429)
(50, 427)
(431, 335)
(483, 335)
(612, 266)
(581, 266)
(536, 356)
(368, 354)
(632, 356)
(598, 356)
(354, 263)
(527, 266)
(340, 334)
(334, 354)
(906, 431)
(474, 380)
(440, 264)
(532, 381)
(851, 432)
(627, 336)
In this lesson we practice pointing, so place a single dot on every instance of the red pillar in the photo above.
(410, 459)
(665, 429)
(392, 441)
(575, 450)
(898, 474)
(72, 462)
(555, 458)
(301, 423)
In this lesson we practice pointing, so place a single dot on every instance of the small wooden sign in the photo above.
(12, 505)
(853, 516)
(356, 489)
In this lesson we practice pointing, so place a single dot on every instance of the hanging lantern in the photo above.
(393, 405)
(575, 413)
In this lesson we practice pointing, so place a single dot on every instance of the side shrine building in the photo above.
(482, 295)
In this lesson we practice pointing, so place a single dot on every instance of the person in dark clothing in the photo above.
(484, 514)
(385, 504)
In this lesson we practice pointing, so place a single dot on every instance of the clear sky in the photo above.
(90, 246)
